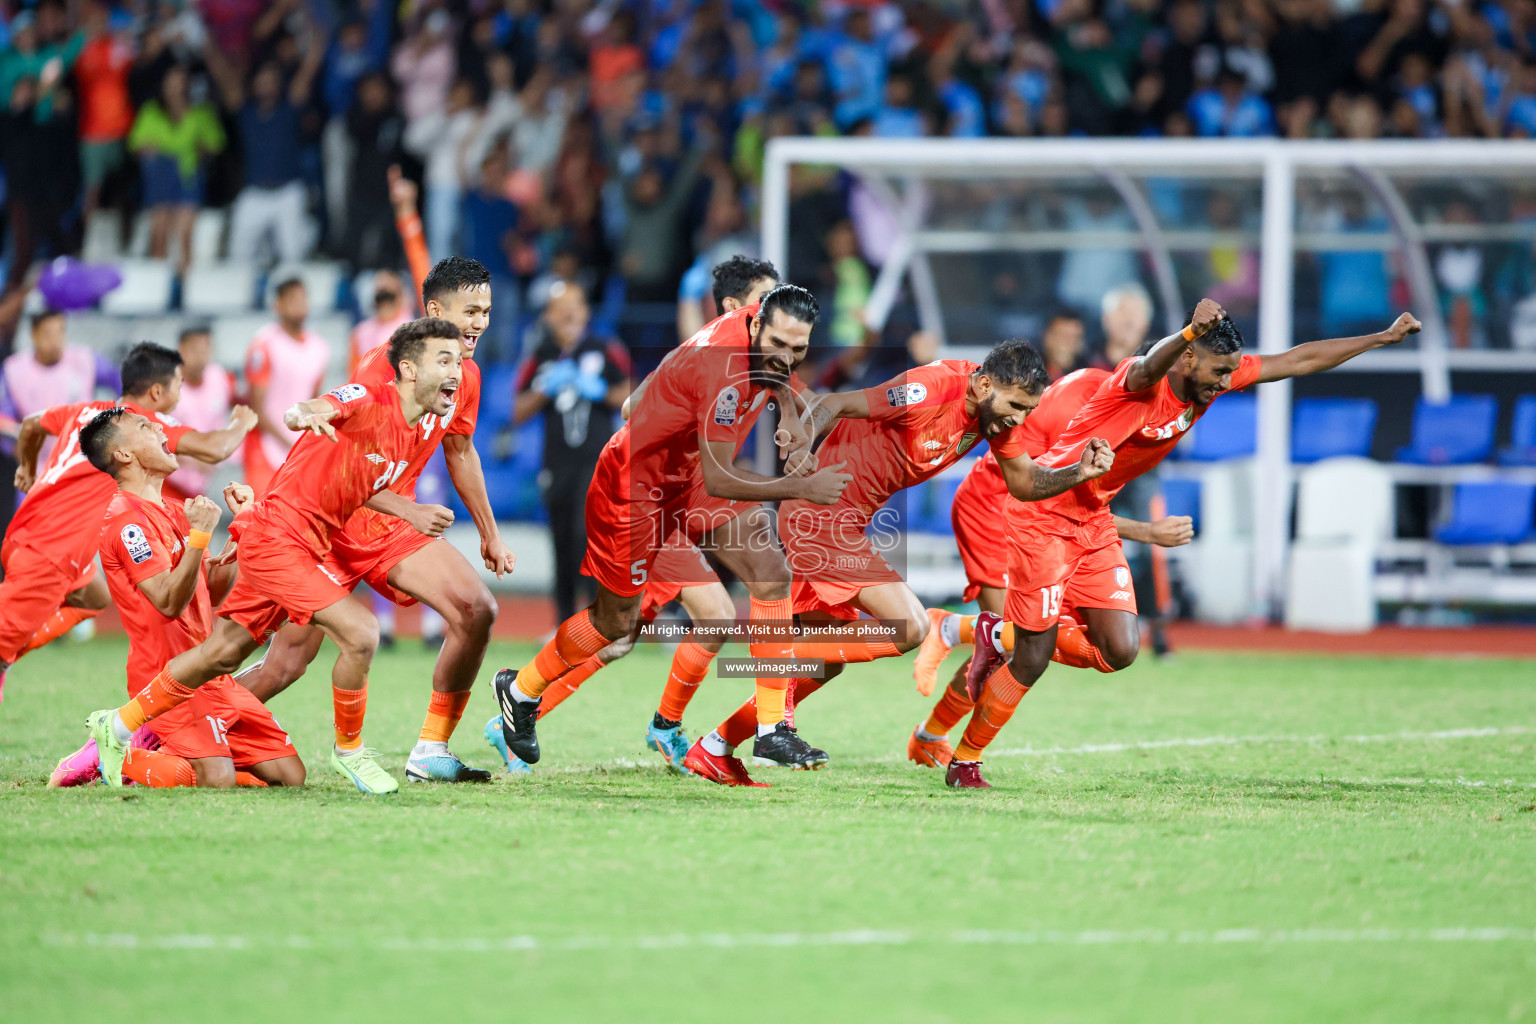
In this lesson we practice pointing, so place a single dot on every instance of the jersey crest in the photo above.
(965, 444)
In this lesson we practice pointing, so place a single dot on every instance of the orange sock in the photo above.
(799, 689)
(162, 694)
(567, 684)
(350, 706)
(947, 712)
(967, 629)
(845, 652)
(690, 663)
(158, 770)
(243, 778)
(574, 642)
(443, 713)
(1075, 649)
(1000, 696)
(59, 623)
(770, 691)
(742, 725)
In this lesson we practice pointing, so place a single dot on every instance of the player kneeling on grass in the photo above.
(165, 589)
(358, 439)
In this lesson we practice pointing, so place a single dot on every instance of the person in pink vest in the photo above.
(284, 365)
(53, 373)
(207, 395)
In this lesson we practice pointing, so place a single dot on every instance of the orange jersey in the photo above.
(62, 513)
(322, 482)
(142, 539)
(701, 392)
(1141, 426)
(374, 372)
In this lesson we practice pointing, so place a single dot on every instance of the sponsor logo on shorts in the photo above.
(137, 544)
(328, 575)
(1120, 595)
(907, 394)
(349, 393)
(1122, 576)
(726, 404)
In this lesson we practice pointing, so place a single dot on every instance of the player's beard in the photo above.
(987, 417)
(760, 371)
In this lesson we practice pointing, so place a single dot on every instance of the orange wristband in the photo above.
(1189, 332)
(199, 539)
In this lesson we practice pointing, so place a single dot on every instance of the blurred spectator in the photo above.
(1062, 344)
(652, 253)
(439, 141)
(376, 132)
(106, 110)
(1232, 268)
(40, 154)
(207, 394)
(174, 142)
(1126, 317)
(490, 226)
(1087, 274)
(1230, 109)
(390, 310)
(42, 48)
(851, 286)
(52, 373)
(284, 364)
(424, 65)
(578, 382)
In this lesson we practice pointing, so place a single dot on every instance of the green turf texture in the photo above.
(1091, 884)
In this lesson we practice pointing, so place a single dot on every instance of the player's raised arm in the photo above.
(1318, 356)
(402, 198)
(313, 415)
(29, 444)
(217, 445)
(1154, 366)
(1027, 480)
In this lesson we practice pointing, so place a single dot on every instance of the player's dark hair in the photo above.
(44, 315)
(410, 339)
(794, 301)
(148, 364)
(1221, 340)
(735, 277)
(452, 274)
(286, 285)
(193, 331)
(1016, 363)
(97, 438)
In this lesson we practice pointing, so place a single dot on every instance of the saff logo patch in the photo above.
(136, 544)
(349, 393)
(906, 394)
(726, 405)
(1122, 576)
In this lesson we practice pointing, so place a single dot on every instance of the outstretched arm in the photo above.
(212, 446)
(1318, 356)
(313, 415)
(1154, 366)
(469, 480)
(1027, 480)
(824, 410)
(1167, 532)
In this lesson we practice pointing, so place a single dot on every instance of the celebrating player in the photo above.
(359, 440)
(395, 544)
(897, 435)
(153, 555)
(1064, 551)
(679, 572)
(49, 552)
(670, 467)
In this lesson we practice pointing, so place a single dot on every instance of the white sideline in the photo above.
(1238, 741)
(861, 937)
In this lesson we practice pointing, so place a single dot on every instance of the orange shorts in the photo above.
(1056, 563)
(279, 581)
(370, 545)
(624, 538)
(977, 518)
(832, 557)
(677, 566)
(223, 719)
(35, 585)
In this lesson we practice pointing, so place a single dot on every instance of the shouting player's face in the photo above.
(1004, 408)
(468, 309)
(436, 386)
(144, 440)
(778, 346)
(1208, 374)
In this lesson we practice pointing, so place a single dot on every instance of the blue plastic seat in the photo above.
(1456, 433)
(1323, 428)
(1522, 438)
(1496, 512)
(1181, 496)
(1228, 430)
(496, 386)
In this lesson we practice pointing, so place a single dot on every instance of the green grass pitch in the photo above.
(1213, 838)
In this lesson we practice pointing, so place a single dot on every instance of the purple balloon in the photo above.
(69, 284)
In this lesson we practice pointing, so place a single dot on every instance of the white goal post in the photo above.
(899, 174)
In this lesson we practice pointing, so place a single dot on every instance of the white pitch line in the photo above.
(860, 937)
(1483, 732)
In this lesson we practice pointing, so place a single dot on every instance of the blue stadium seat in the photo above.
(496, 383)
(1456, 433)
(1522, 438)
(931, 514)
(1323, 428)
(1228, 430)
(1182, 498)
(1496, 512)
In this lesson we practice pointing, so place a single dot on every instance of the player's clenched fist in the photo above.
(1097, 458)
(1207, 315)
(826, 485)
(430, 520)
(1402, 327)
(242, 418)
(238, 497)
(1173, 531)
(202, 513)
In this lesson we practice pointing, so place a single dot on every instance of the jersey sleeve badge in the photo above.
(726, 405)
(136, 544)
(906, 394)
(349, 393)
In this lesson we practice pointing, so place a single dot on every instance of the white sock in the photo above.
(121, 730)
(519, 695)
(346, 753)
(949, 630)
(715, 744)
(928, 737)
(764, 730)
(429, 748)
